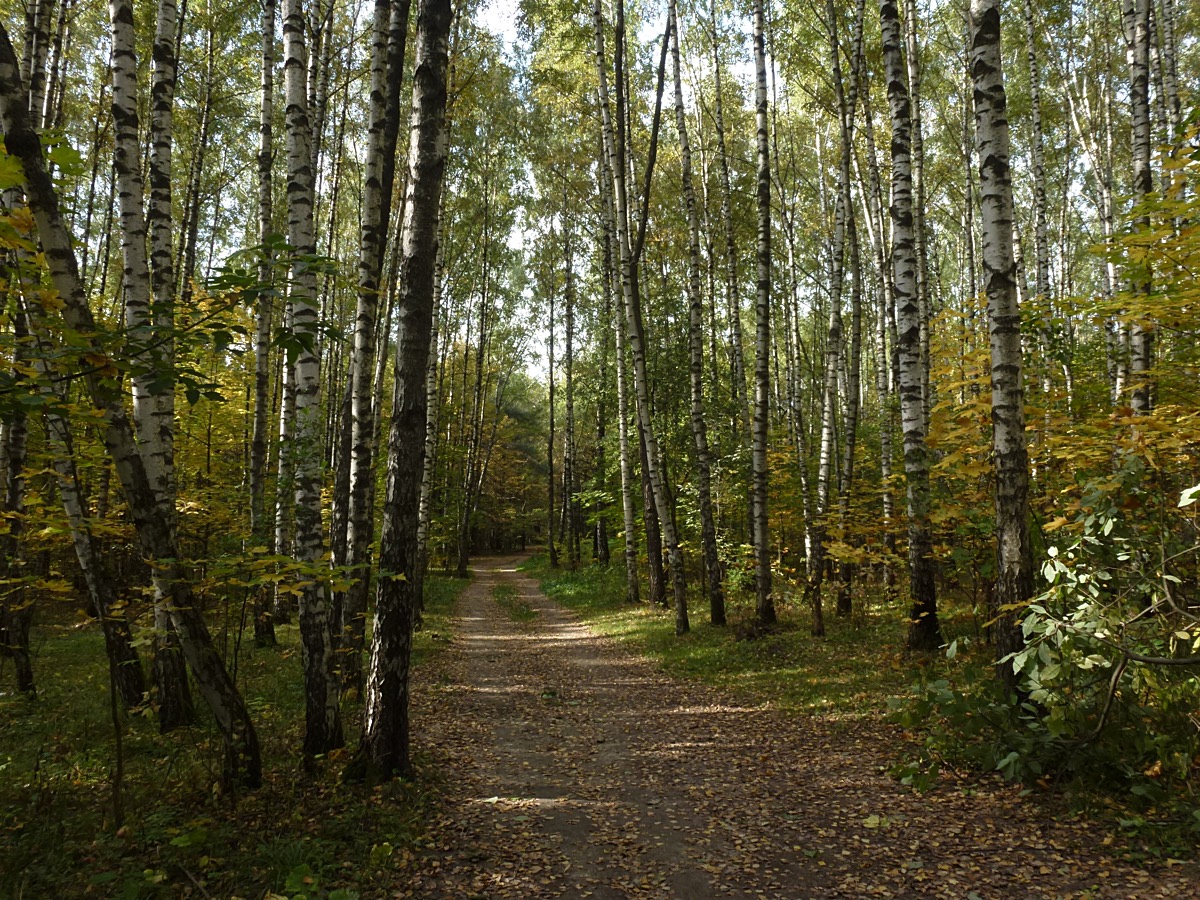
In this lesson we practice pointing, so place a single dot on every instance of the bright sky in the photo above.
(500, 17)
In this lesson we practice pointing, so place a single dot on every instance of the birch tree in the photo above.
(924, 631)
(148, 299)
(708, 528)
(384, 749)
(764, 605)
(157, 539)
(1014, 556)
(264, 623)
(628, 250)
(389, 34)
(323, 726)
(1135, 17)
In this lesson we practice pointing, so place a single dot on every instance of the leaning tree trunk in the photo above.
(924, 632)
(384, 750)
(1014, 556)
(243, 763)
(764, 605)
(323, 724)
(126, 667)
(708, 528)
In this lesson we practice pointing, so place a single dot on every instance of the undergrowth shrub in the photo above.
(1109, 698)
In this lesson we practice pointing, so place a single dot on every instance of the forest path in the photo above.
(576, 770)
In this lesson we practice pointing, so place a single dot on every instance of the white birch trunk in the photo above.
(243, 762)
(1014, 556)
(636, 339)
(764, 605)
(708, 529)
(389, 34)
(924, 631)
(323, 727)
(1135, 16)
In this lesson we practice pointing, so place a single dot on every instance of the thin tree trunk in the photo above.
(1041, 242)
(323, 725)
(387, 71)
(764, 605)
(264, 622)
(242, 762)
(384, 750)
(628, 252)
(732, 299)
(924, 631)
(153, 410)
(917, 156)
(550, 507)
(570, 464)
(1014, 555)
(708, 529)
(16, 604)
(118, 639)
(611, 277)
(1135, 16)
(431, 406)
(853, 363)
(284, 603)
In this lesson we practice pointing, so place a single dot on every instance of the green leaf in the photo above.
(380, 853)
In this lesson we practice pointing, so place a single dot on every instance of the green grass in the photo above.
(57, 834)
(514, 604)
(848, 674)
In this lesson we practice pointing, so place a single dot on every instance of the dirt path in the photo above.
(576, 770)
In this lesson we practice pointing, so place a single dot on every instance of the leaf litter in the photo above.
(573, 769)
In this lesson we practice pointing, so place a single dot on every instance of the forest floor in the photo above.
(574, 769)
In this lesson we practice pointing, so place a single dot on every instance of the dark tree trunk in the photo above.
(384, 750)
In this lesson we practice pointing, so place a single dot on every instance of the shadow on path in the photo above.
(576, 770)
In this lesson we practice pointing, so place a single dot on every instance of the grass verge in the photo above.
(304, 833)
(847, 675)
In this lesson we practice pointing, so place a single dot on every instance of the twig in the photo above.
(1108, 701)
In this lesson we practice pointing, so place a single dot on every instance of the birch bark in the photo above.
(384, 750)
(390, 33)
(264, 622)
(764, 605)
(242, 761)
(323, 725)
(924, 631)
(635, 332)
(1135, 17)
(1014, 556)
(708, 529)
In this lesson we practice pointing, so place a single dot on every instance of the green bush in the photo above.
(1108, 675)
